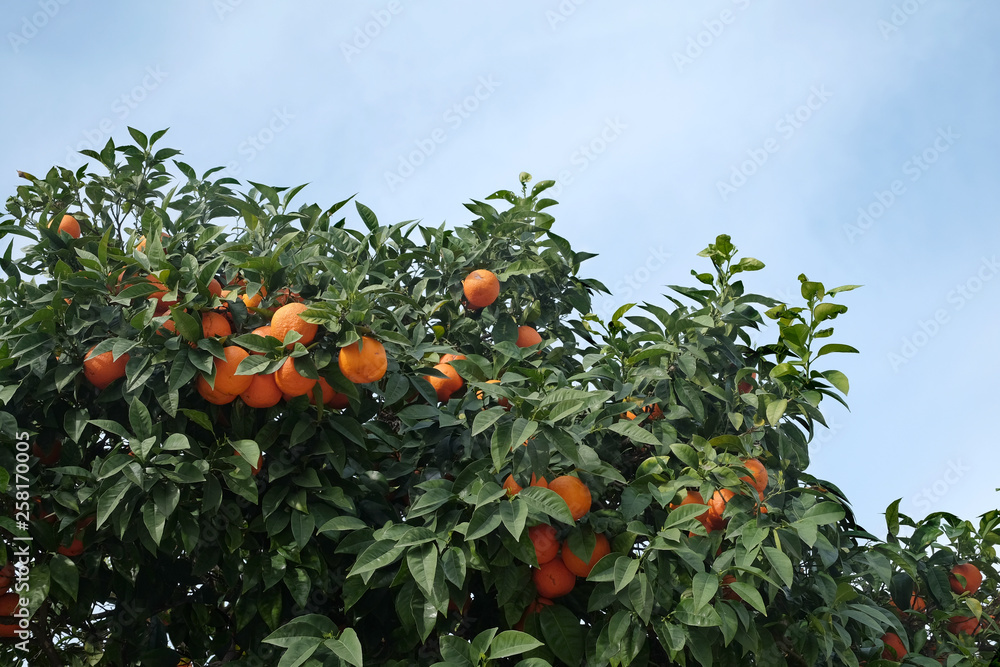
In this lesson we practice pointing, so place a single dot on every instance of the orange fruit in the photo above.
(705, 517)
(167, 326)
(481, 288)
(503, 402)
(103, 369)
(263, 332)
(226, 380)
(76, 546)
(894, 649)
(6, 577)
(553, 580)
(759, 472)
(447, 358)
(254, 469)
(543, 536)
(69, 225)
(287, 318)
(215, 287)
(577, 566)
(963, 625)
(745, 387)
(446, 386)
(973, 578)
(917, 603)
(9, 603)
(214, 324)
(331, 397)
(48, 455)
(253, 301)
(363, 361)
(141, 246)
(263, 391)
(161, 292)
(290, 382)
(513, 488)
(574, 492)
(717, 505)
(211, 395)
(285, 296)
(728, 593)
(527, 336)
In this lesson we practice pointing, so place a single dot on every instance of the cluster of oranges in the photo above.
(558, 567)
(712, 518)
(964, 578)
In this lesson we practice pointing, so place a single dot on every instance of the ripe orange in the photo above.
(963, 624)
(513, 488)
(447, 358)
(759, 472)
(577, 566)
(917, 603)
(503, 402)
(331, 397)
(553, 580)
(543, 536)
(727, 592)
(226, 380)
(745, 387)
(69, 225)
(76, 546)
(527, 336)
(894, 649)
(167, 326)
(363, 361)
(290, 382)
(253, 301)
(574, 492)
(48, 455)
(214, 324)
(705, 518)
(103, 369)
(717, 505)
(481, 288)
(141, 246)
(285, 296)
(162, 290)
(263, 332)
(9, 603)
(215, 287)
(973, 578)
(6, 577)
(446, 386)
(653, 411)
(211, 395)
(287, 318)
(263, 391)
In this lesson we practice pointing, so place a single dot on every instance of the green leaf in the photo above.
(63, 573)
(377, 555)
(485, 419)
(892, 517)
(775, 410)
(822, 514)
(634, 432)
(830, 348)
(138, 415)
(563, 633)
(838, 380)
(625, 571)
(703, 588)
(750, 595)
(548, 502)
(781, 563)
(514, 514)
(347, 647)
(512, 642)
(485, 519)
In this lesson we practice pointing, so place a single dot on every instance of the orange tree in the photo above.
(434, 453)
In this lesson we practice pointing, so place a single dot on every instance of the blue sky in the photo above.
(665, 123)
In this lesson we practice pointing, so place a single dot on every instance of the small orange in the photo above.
(103, 369)
(577, 566)
(759, 472)
(263, 391)
(290, 382)
(481, 288)
(894, 649)
(446, 386)
(553, 579)
(574, 492)
(447, 358)
(363, 361)
(141, 247)
(167, 326)
(694, 497)
(717, 505)
(543, 536)
(513, 488)
(69, 225)
(211, 395)
(214, 324)
(973, 578)
(917, 603)
(503, 402)
(253, 301)
(527, 336)
(215, 287)
(226, 380)
(288, 318)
